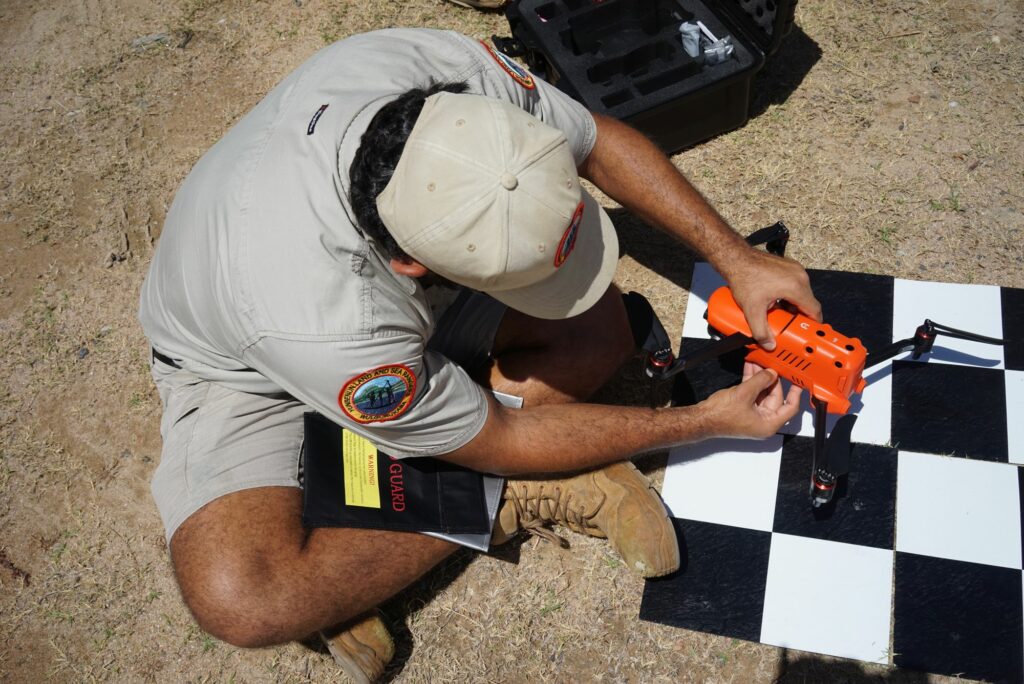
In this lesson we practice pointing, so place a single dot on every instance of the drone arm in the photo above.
(886, 353)
(923, 340)
(706, 353)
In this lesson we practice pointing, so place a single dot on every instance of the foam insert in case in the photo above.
(625, 59)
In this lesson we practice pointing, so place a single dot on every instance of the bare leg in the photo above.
(253, 576)
(548, 362)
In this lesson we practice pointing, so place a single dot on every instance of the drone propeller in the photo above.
(923, 340)
(774, 238)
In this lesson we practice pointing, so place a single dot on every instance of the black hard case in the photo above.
(625, 59)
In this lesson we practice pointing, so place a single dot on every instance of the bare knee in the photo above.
(246, 593)
(600, 338)
(610, 329)
(230, 601)
(564, 360)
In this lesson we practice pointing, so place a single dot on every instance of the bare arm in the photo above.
(635, 173)
(565, 437)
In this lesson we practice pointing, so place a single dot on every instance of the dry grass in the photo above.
(868, 159)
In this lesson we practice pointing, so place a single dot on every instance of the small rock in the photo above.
(127, 453)
(182, 38)
(82, 352)
(953, 104)
(914, 98)
(143, 42)
(105, 330)
(113, 258)
(995, 40)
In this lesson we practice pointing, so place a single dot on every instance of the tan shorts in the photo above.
(217, 441)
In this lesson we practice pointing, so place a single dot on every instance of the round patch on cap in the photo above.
(569, 237)
(378, 395)
(518, 73)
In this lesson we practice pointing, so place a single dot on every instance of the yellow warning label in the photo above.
(359, 458)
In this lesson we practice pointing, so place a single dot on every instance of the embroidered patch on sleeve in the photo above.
(569, 237)
(518, 73)
(378, 395)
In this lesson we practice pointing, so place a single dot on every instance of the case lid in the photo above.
(765, 22)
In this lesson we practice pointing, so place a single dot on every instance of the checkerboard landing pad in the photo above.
(918, 561)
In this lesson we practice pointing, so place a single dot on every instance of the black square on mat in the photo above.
(863, 509)
(856, 304)
(941, 408)
(701, 381)
(1013, 327)
(719, 587)
(953, 617)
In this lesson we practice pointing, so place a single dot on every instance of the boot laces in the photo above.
(534, 510)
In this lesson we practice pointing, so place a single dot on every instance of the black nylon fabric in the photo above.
(416, 494)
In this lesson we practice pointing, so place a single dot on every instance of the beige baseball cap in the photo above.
(488, 196)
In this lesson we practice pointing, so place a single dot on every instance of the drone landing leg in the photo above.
(823, 482)
(831, 453)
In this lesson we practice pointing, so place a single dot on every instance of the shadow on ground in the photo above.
(799, 668)
(652, 248)
(784, 71)
(398, 610)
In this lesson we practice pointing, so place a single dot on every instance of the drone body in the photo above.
(809, 354)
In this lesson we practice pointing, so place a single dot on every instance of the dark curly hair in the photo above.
(378, 154)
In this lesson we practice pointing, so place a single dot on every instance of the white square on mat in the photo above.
(725, 481)
(873, 409)
(972, 308)
(958, 509)
(828, 597)
(705, 281)
(1015, 415)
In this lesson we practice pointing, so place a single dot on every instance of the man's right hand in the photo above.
(754, 409)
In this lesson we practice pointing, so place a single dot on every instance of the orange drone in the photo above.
(812, 355)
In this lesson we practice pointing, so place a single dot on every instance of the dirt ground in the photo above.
(888, 135)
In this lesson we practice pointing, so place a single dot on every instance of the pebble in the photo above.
(177, 38)
(82, 352)
(143, 42)
(953, 104)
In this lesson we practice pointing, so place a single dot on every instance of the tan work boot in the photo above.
(363, 647)
(615, 502)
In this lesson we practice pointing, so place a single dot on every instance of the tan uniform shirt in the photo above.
(262, 283)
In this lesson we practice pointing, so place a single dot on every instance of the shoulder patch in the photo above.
(509, 65)
(378, 395)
